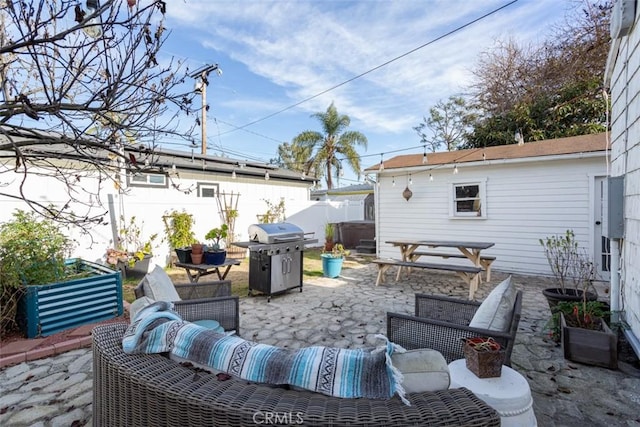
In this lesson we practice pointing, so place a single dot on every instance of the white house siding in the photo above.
(625, 161)
(525, 201)
(149, 204)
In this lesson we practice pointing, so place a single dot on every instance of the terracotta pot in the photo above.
(196, 258)
(196, 248)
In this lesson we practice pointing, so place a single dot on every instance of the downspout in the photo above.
(615, 281)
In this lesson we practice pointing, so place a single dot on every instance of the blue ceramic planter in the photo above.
(215, 258)
(331, 266)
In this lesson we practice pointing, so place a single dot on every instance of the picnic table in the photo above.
(468, 249)
(196, 271)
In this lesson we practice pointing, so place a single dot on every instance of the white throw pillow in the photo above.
(495, 310)
(423, 370)
(158, 286)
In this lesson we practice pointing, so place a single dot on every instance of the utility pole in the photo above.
(201, 86)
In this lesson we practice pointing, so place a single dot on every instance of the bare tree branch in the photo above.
(77, 87)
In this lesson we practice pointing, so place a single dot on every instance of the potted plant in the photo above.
(332, 261)
(328, 237)
(483, 356)
(585, 335)
(178, 227)
(214, 254)
(132, 253)
(572, 268)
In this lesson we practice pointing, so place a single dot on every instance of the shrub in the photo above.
(32, 252)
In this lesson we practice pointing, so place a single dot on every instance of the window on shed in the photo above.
(467, 200)
(148, 180)
(206, 189)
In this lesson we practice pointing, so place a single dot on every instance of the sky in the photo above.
(391, 61)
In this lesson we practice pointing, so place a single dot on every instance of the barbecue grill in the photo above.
(275, 257)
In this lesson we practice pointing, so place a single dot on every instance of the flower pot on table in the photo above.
(215, 257)
(485, 363)
(184, 255)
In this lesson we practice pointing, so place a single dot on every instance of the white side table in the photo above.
(508, 394)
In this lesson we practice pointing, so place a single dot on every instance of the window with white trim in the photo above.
(206, 189)
(468, 199)
(148, 180)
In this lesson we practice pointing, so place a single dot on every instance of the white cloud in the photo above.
(306, 47)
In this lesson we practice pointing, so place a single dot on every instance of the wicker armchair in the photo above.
(441, 322)
(205, 301)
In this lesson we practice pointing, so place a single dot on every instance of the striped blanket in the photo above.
(349, 373)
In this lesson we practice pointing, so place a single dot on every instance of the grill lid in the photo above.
(275, 232)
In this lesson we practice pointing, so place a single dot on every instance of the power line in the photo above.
(445, 35)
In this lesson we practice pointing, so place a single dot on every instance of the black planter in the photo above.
(184, 255)
(556, 295)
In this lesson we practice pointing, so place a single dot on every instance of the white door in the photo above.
(602, 247)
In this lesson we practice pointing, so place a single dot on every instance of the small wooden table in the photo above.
(196, 271)
(471, 250)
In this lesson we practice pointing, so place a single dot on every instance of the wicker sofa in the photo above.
(152, 390)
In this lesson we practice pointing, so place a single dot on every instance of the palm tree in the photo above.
(325, 150)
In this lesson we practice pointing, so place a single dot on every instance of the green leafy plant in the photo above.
(585, 314)
(131, 246)
(274, 213)
(215, 235)
(328, 237)
(178, 227)
(338, 251)
(32, 252)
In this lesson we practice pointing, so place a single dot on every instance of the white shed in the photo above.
(512, 195)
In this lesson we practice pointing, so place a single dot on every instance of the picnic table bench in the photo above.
(485, 260)
(468, 273)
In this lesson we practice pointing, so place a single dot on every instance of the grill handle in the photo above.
(285, 239)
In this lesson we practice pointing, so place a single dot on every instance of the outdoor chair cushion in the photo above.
(423, 370)
(158, 286)
(494, 312)
(210, 324)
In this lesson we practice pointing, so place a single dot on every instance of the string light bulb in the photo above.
(410, 180)
(455, 169)
(424, 154)
(266, 175)
(173, 168)
(393, 181)
(233, 174)
(430, 177)
(381, 168)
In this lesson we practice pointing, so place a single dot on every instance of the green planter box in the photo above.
(54, 307)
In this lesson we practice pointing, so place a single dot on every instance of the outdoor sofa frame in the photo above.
(152, 390)
(205, 301)
(440, 323)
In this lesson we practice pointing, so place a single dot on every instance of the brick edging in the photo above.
(47, 351)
